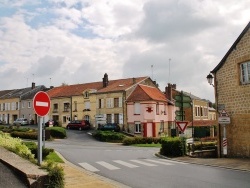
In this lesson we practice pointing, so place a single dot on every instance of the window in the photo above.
(86, 118)
(23, 104)
(86, 94)
(101, 103)
(116, 118)
(66, 107)
(87, 105)
(29, 104)
(17, 105)
(109, 102)
(245, 73)
(157, 108)
(116, 102)
(55, 108)
(137, 127)
(109, 118)
(162, 126)
(137, 108)
(75, 104)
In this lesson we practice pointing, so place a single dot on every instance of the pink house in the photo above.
(149, 112)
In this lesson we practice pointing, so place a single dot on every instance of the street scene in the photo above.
(146, 93)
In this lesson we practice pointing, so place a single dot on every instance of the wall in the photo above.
(236, 98)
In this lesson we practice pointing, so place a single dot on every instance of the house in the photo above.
(192, 109)
(12, 106)
(149, 112)
(232, 94)
(73, 102)
(111, 99)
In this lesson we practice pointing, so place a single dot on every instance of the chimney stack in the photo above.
(105, 80)
(168, 90)
(33, 85)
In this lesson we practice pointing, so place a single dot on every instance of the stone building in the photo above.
(232, 93)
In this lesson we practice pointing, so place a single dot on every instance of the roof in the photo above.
(72, 90)
(113, 86)
(4, 92)
(30, 94)
(231, 49)
(121, 84)
(16, 93)
(147, 93)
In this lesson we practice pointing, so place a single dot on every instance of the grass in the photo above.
(54, 157)
(147, 145)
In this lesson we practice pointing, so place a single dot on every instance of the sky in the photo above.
(51, 42)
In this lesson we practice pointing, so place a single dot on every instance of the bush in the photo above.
(34, 149)
(56, 175)
(141, 140)
(172, 147)
(204, 146)
(25, 135)
(57, 132)
(108, 136)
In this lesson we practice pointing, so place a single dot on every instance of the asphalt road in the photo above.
(138, 167)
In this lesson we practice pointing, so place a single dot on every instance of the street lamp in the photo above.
(210, 79)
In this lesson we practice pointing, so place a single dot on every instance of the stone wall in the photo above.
(236, 99)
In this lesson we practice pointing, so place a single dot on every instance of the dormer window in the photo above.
(86, 94)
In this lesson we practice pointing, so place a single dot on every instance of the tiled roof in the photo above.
(113, 85)
(73, 90)
(121, 84)
(147, 93)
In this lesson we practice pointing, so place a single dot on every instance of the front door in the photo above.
(149, 130)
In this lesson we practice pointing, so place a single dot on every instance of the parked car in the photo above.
(1, 122)
(20, 121)
(79, 124)
(51, 123)
(109, 127)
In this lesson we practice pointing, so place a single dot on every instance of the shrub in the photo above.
(15, 145)
(128, 141)
(34, 149)
(108, 136)
(25, 135)
(141, 140)
(204, 146)
(57, 132)
(56, 175)
(172, 147)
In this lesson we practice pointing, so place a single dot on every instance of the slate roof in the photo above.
(146, 93)
(30, 94)
(4, 92)
(16, 93)
(231, 49)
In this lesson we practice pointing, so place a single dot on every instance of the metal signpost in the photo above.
(41, 105)
(223, 120)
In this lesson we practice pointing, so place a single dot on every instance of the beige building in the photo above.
(232, 93)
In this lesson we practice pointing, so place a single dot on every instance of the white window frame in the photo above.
(137, 127)
(109, 102)
(245, 72)
(87, 105)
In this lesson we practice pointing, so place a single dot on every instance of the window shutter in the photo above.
(120, 101)
(120, 118)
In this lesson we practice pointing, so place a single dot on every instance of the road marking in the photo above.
(89, 167)
(159, 162)
(44, 104)
(125, 164)
(143, 163)
(107, 165)
(172, 161)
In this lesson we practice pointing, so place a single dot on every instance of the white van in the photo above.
(20, 121)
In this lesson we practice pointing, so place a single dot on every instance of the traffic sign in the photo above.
(41, 103)
(182, 125)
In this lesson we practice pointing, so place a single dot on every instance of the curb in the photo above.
(204, 164)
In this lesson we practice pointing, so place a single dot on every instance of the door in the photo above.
(149, 129)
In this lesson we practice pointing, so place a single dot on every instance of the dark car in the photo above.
(79, 124)
(51, 123)
(109, 127)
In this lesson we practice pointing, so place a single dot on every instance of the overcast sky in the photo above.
(51, 42)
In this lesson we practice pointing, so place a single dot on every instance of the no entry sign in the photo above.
(41, 103)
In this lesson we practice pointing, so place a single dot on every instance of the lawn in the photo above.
(147, 145)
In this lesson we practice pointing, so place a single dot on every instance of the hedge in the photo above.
(57, 132)
(141, 140)
(108, 136)
(172, 146)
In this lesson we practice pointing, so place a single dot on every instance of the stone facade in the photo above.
(234, 97)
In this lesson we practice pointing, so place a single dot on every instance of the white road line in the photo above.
(159, 162)
(172, 161)
(107, 165)
(143, 163)
(44, 104)
(88, 167)
(125, 164)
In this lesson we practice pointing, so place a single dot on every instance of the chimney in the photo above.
(168, 91)
(134, 80)
(105, 80)
(33, 85)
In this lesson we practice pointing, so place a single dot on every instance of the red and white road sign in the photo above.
(41, 103)
(182, 125)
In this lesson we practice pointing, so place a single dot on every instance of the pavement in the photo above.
(78, 177)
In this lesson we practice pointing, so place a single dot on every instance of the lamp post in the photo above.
(210, 79)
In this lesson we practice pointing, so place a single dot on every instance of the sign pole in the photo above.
(43, 132)
(224, 140)
(39, 147)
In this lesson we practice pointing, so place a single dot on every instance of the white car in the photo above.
(20, 121)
